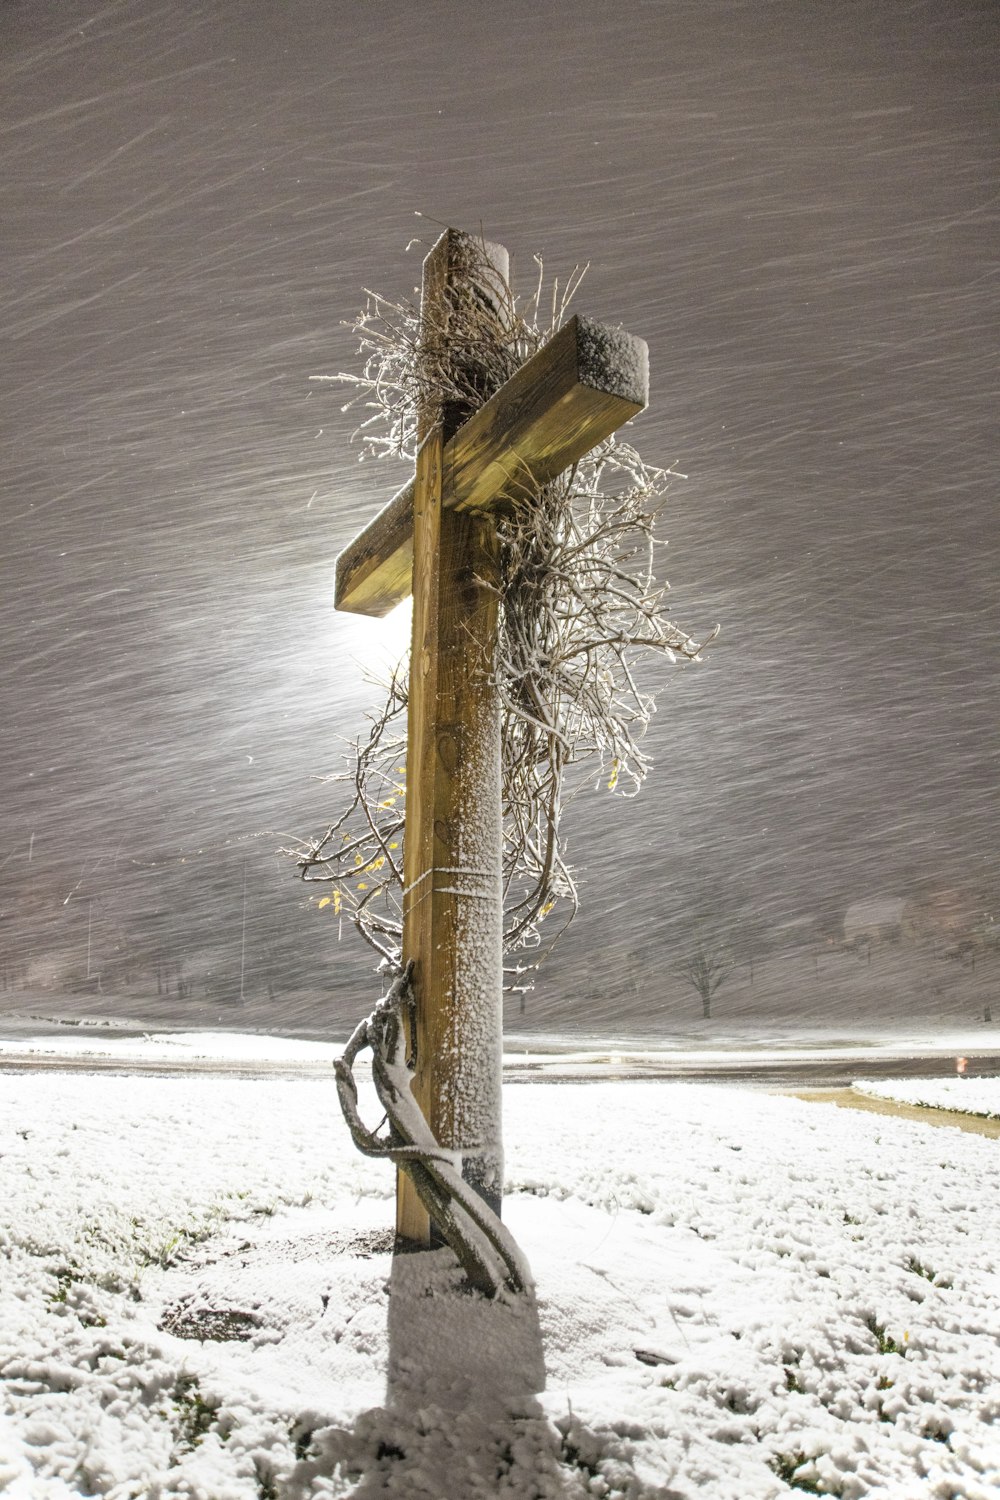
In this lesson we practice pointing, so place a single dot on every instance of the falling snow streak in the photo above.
(799, 211)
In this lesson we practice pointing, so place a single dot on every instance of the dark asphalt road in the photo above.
(792, 1073)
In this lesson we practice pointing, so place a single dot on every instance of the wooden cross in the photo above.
(437, 540)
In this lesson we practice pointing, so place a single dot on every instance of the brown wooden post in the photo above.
(452, 906)
(436, 539)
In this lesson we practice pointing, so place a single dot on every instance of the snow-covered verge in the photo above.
(174, 1047)
(968, 1096)
(738, 1295)
(550, 1056)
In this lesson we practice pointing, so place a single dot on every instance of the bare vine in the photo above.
(578, 605)
(411, 364)
(486, 1250)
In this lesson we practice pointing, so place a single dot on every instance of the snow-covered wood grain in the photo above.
(582, 385)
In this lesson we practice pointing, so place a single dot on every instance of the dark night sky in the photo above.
(794, 204)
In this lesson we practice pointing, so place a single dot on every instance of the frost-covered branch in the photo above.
(579, 605)
(359, 856)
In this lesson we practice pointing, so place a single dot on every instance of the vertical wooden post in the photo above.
(452, 906)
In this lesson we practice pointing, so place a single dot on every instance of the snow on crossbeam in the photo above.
(583, 384)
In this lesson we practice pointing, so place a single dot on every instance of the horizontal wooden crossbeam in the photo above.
(582, 385)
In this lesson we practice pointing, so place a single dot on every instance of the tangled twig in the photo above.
(578, 604)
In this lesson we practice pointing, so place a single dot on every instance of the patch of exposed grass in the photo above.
(886, 1343)
(787, 1465)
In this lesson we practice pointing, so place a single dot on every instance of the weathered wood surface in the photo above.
(452, 849)
(571, 395)
(438, 537)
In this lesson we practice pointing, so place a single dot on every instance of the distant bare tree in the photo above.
(705, 971)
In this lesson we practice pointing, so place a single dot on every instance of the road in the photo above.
(794, 1072)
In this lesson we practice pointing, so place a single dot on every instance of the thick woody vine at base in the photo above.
(486, 1251)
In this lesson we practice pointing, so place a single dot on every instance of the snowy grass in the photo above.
(552, 1055)
(738, 1296)
(178, 1047)
(967, 1096)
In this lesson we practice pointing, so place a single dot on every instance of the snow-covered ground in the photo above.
(172, 1046)
(736, 1293)
(969, 1096)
